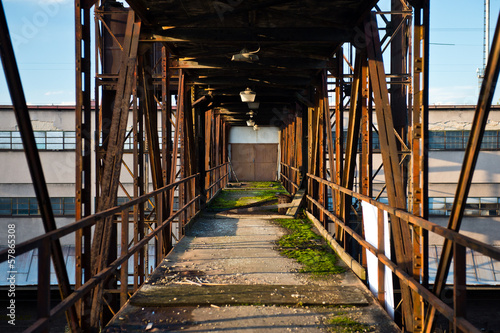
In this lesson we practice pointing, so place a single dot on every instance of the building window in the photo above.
(457, 140)
(29, 206)
(437, 140)
(473, 206)
(45, 140)
(375, 141)
(490, 140)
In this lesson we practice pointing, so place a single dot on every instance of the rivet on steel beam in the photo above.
(418, 65)
(417, 131)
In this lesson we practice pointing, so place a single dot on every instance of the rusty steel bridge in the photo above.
(295, 55)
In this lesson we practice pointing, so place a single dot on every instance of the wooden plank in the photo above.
(296, 202)
(175, 295)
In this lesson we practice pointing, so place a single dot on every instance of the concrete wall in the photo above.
(56, 118)
(241, 134)
(483, 229)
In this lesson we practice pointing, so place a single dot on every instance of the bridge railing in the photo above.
(455, 315)
(217, 177)
(290, 177)
(119, 266)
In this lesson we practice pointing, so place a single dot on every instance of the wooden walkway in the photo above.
(226, 275)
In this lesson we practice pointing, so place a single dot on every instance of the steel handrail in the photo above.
(88, 221)
(454, 236)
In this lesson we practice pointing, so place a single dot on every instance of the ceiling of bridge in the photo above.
(294, 41)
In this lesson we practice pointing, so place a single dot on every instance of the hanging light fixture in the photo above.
(250, 122)
(247, 95)
(246, 56)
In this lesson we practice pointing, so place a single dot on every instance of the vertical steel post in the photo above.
(43, 294)
(166, 130)
(138, 170)
(399, 50)
(418, 172)
(299, 148)
(339, 135)
(365, 158)
(322, 191)
(207, 175)
(425, 138)
(83, 152)
(366, 133)
(459, 284)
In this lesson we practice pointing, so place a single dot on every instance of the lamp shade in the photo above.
(250, 122)
(247, 95)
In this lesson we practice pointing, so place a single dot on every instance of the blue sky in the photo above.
(43, 36)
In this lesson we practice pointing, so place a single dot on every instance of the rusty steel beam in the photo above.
(178, 128)
(355, 112)
(112, 165)
(366, 157)
(399, 47)
(218, 122)
(339, 134)
(166, 130)
(419, 158)
(395, 187)
(469, 164)
(459, 285)
(83, 152)
(149, 108)
(322, 191)
(273, 35)
(425, 136)
(300, 148)
(313, 120)
(208, 146)
(138, 152)
(189, 159)
(21, 112)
